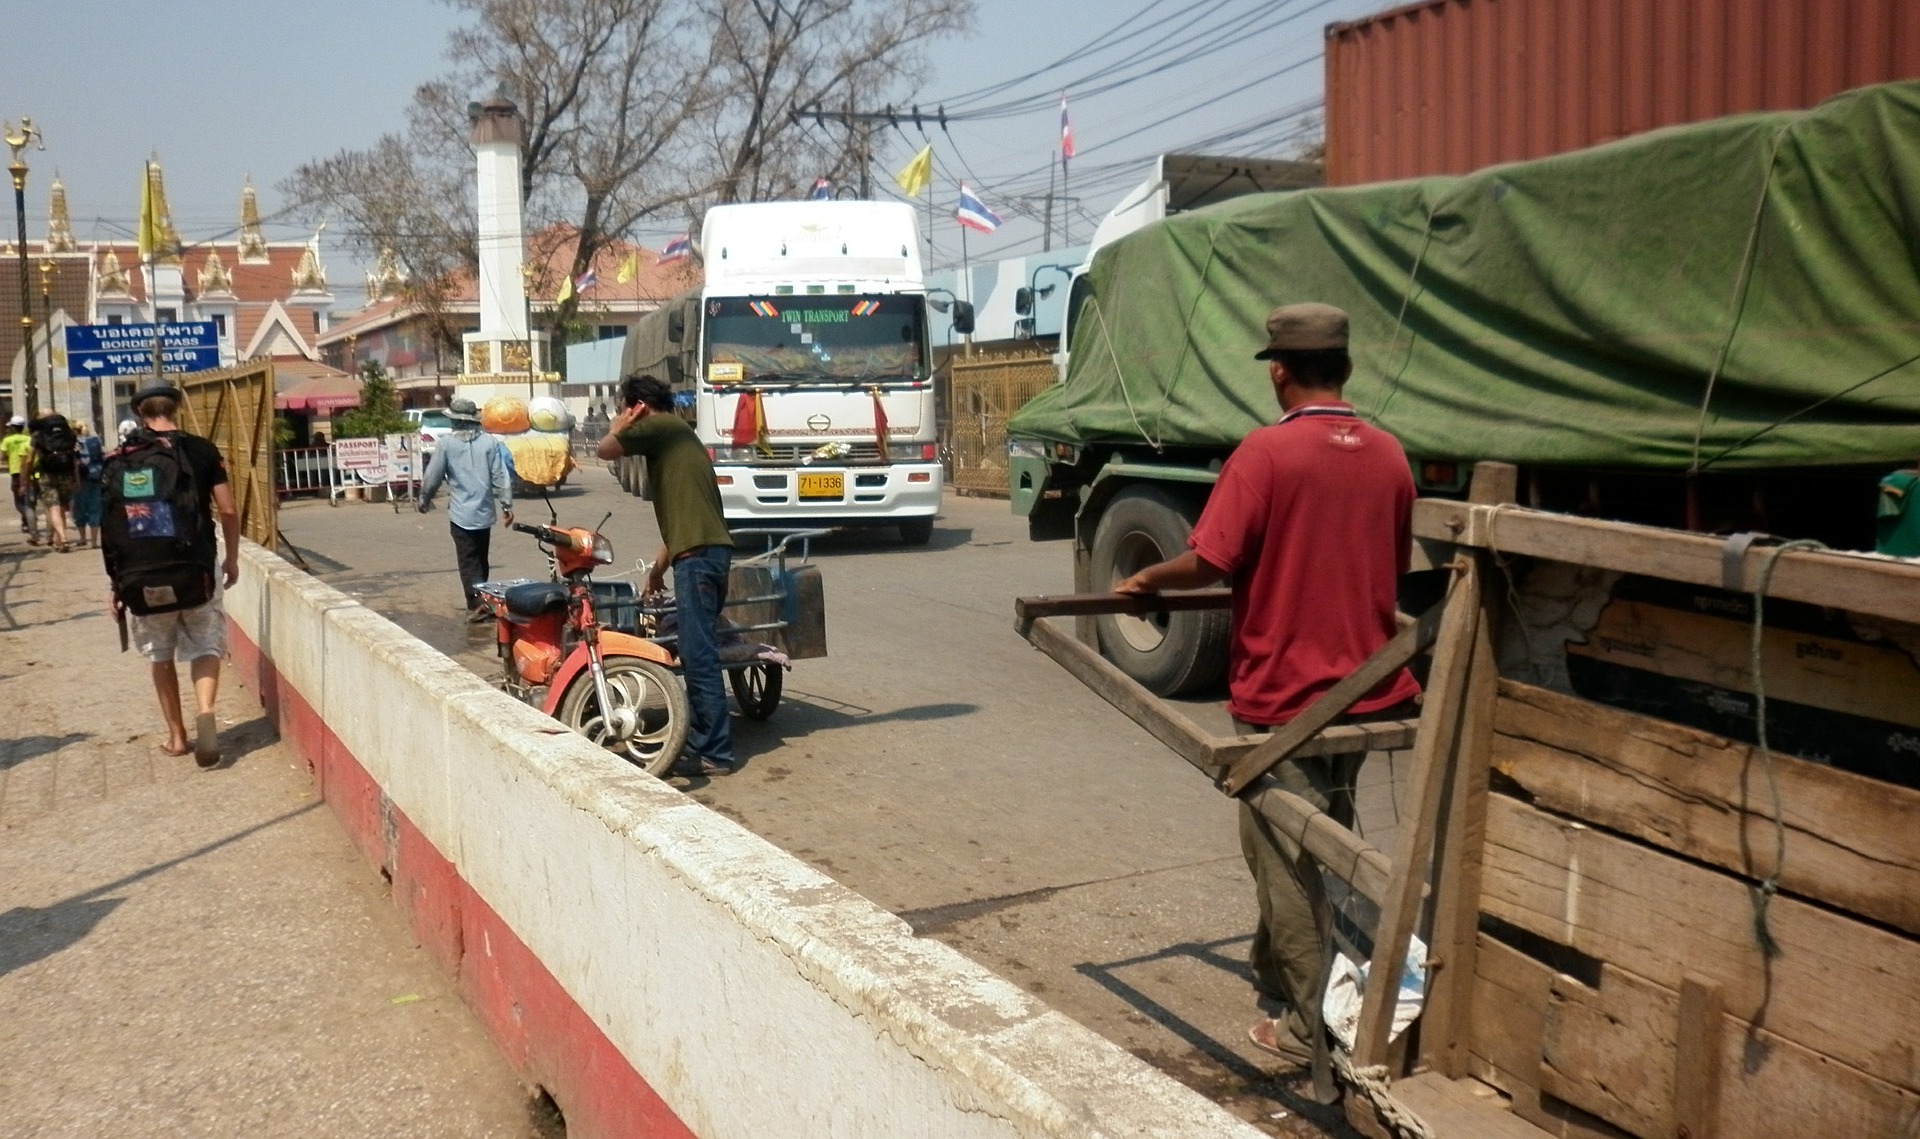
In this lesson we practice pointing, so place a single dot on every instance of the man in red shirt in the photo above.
(1311, 522)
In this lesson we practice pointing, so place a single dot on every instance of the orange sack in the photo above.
(504, 415)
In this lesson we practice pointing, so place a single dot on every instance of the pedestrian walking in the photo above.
(697, 548)
(55, 461)
(86, 494)
(16, 445)
(471, 462)
(1311, 521)
(162, 491)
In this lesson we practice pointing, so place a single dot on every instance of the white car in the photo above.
(431, 423)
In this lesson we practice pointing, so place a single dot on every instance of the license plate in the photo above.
(823, 486)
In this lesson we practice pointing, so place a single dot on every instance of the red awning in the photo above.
(320, 393)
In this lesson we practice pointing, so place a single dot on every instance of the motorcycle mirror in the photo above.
(603, 522)
(552, 514)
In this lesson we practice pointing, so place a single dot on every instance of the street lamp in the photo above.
(46, 327)
(19, 139)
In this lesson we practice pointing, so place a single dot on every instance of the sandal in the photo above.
(1267, 1036)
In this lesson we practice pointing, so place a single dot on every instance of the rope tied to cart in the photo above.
(1769, 885)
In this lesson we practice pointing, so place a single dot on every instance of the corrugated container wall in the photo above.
(1449, 86)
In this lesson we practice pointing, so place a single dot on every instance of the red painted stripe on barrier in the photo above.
(540, 1029)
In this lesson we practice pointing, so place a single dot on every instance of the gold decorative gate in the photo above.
(986, 392)
(234, 408)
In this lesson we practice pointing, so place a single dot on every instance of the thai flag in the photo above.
(586, 280)
(679, 249)
(1066, 131)
(822, 190)
(973, 213)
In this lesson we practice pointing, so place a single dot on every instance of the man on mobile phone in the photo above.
(697, 547)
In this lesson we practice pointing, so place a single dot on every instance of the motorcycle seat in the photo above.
(532, 598)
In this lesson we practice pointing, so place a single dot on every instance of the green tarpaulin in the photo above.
(1735, 294)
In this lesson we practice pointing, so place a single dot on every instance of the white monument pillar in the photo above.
(502, 358)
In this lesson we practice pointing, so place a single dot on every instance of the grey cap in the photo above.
(17, 421)
(463, 411)
(1309, 327)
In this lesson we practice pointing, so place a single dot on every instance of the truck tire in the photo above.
(916, 531)
(1175, 653)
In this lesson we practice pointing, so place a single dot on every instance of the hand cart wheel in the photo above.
(756, 688)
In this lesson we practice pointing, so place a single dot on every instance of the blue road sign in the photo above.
(127, 349)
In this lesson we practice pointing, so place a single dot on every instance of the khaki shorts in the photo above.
(188, 634)
(55, 490)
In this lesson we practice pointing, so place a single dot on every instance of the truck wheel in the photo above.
(916, 531)
(1174, 653)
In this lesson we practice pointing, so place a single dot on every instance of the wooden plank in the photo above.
(1698, 1056)
(1123, 692)
(1850, 839)
(1026, 610)
(1380, 735)
(1613, 1051)
(1345, 854)
(1844, 988)
(1461, 1109)
(1867, 585)
(1445, 1027)
(1432, 759)
(1334, 702)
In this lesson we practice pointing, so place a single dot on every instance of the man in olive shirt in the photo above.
(686, 502)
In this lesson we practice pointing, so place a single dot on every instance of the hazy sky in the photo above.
(221, 89)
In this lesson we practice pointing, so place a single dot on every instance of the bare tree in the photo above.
(634, 109)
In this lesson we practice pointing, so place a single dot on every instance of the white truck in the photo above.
(803, 364)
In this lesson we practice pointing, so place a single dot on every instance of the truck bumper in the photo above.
(811, 493)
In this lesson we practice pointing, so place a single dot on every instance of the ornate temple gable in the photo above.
(278, 334)
(214, 279)
(59, 226)
(253, 246)
(310, 276)
(386, 279)
(112, 279)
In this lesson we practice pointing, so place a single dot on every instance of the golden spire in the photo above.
(386, 278)
(112, 278)
(253, 247)
(214, 279)
(59, 227)
(167, 251)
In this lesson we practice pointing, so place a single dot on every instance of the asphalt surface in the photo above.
(196, 953)
(943, 768)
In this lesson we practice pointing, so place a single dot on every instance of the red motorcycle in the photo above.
(570, 647)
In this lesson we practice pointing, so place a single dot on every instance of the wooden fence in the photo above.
(986, 393)
(1639, 927)
(234, 408)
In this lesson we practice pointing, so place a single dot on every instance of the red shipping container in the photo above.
(1448, 86)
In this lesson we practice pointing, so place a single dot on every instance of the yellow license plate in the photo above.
(823, 486)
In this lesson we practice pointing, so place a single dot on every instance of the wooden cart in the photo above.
(1637, 927)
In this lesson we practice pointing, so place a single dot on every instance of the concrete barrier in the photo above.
(656, 968)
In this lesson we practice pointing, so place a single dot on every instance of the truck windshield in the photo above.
(839, 340)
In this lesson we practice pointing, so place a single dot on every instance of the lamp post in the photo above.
(46, 327)
(19, 139)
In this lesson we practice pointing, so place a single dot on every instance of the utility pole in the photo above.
(860, 124)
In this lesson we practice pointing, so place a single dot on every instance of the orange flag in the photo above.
(749, 421)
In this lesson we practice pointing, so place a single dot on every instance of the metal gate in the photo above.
(234, 408)
(986, 393)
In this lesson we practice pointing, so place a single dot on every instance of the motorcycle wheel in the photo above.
(756, 689)
(655, 694)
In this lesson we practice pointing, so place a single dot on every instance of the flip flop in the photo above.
(1265, 1035)
(206, 742)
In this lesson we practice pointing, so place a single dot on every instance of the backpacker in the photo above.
(53, 435)
(152, 531)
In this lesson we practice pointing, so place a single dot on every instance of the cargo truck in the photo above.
(802, 362)
(1709, 327)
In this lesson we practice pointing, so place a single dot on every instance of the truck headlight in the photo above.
(911, 452)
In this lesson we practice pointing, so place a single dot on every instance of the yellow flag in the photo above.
(627, 269)
(148, 237)
(917, 175)
(566, 290)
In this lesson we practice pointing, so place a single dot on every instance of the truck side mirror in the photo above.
(963, 317)
(1023, 301)
(676, 326)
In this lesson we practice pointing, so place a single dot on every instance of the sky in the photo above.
(222, 90)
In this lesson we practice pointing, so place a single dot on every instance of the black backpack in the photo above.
(153, 525)
(59, 448)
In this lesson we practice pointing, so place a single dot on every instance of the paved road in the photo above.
(188, 952)
(937, 764)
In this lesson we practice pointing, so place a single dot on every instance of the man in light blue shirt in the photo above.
(473, 462)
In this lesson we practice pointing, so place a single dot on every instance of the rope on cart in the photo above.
(1372, 1083)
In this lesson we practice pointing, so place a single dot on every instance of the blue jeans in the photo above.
(699, 590)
